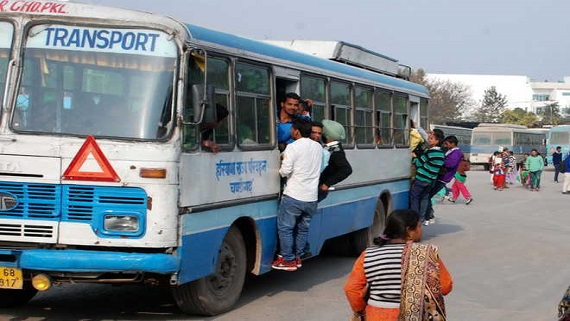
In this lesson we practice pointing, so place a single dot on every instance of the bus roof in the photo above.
(287, 55)
(502, 125)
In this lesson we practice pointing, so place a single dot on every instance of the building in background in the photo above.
(520, 91)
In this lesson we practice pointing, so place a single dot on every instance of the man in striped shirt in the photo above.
(428, 167)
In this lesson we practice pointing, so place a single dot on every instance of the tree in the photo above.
(519, 116)
(448, 101)
(492, 106)
(550, 114)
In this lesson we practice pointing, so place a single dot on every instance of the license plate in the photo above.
(11, 278)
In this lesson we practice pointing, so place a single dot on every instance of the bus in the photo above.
(103, 177)
(488, 138)
(558, 136)
(463, 135)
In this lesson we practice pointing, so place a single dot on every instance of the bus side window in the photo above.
(253, 105)
(401, 136)
(383, 105)
(194, 76)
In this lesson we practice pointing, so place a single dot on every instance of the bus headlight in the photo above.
(121, 223)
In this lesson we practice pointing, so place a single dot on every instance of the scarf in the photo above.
(421, 289)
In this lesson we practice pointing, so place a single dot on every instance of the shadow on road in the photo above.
(96, 302)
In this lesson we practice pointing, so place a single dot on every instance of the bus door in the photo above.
(286, 81)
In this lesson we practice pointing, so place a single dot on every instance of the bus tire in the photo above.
(11, 298)
(363, 238)
(217, 293)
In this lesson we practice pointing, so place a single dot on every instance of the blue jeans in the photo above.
(293, 222)
(419, 192)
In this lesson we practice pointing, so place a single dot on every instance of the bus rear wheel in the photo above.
(218, 292)
(363, 238)
(12, 298)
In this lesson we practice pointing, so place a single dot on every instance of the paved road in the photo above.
(508, 251)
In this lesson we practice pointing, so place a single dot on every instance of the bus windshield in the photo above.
(6, 34)
(481, 138)
(502, 139)
(96, 81)
(559, 138)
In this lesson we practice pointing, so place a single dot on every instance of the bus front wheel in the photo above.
(218, 292)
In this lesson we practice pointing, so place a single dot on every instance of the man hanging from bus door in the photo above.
(453, 156)
(287, 112)
(338, 167)
(301, 164)
(428, 166)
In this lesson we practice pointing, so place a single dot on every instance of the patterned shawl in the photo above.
(421, 289)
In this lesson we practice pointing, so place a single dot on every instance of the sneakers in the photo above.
(281, 264)
(299, 263)
(451, 200)
(431, 221)
(468, 201)
(425, 223)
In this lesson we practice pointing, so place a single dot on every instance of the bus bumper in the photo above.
(88, 261)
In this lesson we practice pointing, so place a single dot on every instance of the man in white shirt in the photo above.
(301, 165)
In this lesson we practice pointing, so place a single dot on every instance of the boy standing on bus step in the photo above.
(428, 166)
(556, 160)
(301, 165)
(453, 156)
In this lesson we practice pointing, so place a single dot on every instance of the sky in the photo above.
(489, 37)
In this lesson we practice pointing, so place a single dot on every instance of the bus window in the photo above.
(218, 76)
(383, 102)
(253, 105)
(6, 35)
(92, 91)
(401, 136)
(340, 100)
(559, 138)
(363, 129)
(314, 88)
(503, 139)
(480, 138)
(424, 123)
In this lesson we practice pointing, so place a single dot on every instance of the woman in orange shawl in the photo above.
(417, 294)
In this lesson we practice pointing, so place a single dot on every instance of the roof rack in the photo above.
(349, 54)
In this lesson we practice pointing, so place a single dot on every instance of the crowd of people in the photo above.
(397, 278)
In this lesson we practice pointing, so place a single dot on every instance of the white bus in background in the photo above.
(488, 138)
(463, 135)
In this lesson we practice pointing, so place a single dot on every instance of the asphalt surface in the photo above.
(508, 252)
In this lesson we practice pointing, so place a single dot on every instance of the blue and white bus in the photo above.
(102, 174)
(558, 136)
(488, 138)
(463, 135)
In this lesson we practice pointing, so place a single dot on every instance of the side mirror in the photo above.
(204, 104)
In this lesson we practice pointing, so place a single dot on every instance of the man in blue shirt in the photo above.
(289, 107)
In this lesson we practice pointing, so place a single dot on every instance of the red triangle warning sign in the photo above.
(90, 164)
